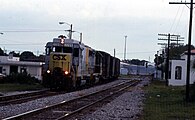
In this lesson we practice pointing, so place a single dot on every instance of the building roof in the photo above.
(22, 63)
(186, 52)
(6, 60)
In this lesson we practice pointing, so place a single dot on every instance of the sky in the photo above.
(27, 25)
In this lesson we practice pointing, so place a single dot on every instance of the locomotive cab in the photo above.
(62, 62)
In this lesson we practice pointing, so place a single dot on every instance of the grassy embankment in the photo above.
(167, 103)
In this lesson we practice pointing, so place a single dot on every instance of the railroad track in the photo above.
(24, 97)
(20, 98)
(71, 108)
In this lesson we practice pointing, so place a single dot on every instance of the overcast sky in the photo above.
(104, 23)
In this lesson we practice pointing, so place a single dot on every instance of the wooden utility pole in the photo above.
(168, 38)
(167, 56)
(114, 52)
(189, 48)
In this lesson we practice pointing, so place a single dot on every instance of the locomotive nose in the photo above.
(60, 60)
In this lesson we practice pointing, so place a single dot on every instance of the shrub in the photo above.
(21, 78)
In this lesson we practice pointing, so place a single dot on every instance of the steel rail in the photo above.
(19, 98)
(40, 110)
(10, 97)
(93, 103)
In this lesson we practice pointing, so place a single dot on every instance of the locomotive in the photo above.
(70, 64)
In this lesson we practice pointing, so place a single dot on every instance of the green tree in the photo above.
(1, 52)
(175, 51)
(15, 54)
(27, 55)
(158, 59)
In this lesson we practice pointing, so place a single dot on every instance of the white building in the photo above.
(178, 70)
(9, 64)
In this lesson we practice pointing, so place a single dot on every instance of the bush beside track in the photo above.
(21, 78)
(19, 82)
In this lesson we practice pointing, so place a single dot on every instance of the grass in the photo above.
(167, 103)
(18, 87)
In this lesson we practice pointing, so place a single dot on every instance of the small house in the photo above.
(10, 64)
(178, 70)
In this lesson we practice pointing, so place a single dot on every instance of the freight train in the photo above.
(70, 64)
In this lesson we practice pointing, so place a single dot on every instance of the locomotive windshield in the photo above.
(76, 52)
(48, 50)
(67, 49)
(62, 49)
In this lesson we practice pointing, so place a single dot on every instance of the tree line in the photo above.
(174, 53)
(25, 56)
(135, 62)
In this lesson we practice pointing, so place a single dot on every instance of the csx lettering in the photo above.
(59, 57)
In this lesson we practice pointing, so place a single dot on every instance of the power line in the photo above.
(169, 38)
(29, 30)
(189, 48)
(174, 19)
(179, 20)
(39, 44)
(137, 52)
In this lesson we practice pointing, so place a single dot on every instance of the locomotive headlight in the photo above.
(66, 72)
(62, 41)
(48, 71)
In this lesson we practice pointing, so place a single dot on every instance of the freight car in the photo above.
(70, 64)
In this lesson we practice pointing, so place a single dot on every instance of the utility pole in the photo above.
(168, 38)
(189, 48)
(125, 47)
(70, 31)
(81, 37)
(114, 52)
(167, 61)
(167, 56)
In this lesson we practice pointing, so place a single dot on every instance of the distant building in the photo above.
(10, 64)
(178, 70)
(130, 69)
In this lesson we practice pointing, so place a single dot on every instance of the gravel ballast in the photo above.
(11, 110)
(130, 103)
(128, 106)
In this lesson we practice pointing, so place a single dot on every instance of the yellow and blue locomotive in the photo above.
(70, 64)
